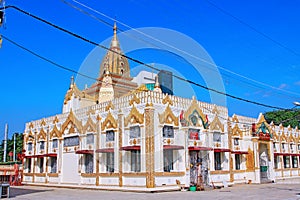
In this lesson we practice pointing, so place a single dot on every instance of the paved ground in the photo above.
(263, 191)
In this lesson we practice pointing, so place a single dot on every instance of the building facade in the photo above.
(140, 138)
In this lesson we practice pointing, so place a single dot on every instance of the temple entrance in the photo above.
(199, 168)
(264, 163)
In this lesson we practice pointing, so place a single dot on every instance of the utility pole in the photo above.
(14, 156)
(5, 142)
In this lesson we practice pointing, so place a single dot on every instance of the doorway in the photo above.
(264, 158)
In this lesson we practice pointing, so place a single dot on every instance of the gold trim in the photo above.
(43, 123)
(169, 173)
(216, 124)
(110, 106)
(27, 138)
(55, 133)
(109, 123)
(134, 117)
(167, 99)
(53, 174)
(41, 135)
(194, 107)
(235, 119)
(149, 146)
(40, 174)
(250, 160)
(135, 174)
(168, 117)
(237, 132)
(28, 174)
(75, 123)
(219, 172)
(135, 99)
(109, 175)
(31, 126)
(89, 126)
(55, 120)
(89, 175)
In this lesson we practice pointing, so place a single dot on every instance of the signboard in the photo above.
(194, 134)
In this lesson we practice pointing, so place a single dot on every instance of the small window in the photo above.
(136, 161)
(286, 161)
(54, 144)
(236, 141)
(90, 139)
(217, 156)
(299, 147)
(53, 162)
(237, 161)
(295, 161)
(168, 160)
(274, 145)
(276, 158)
(42, 145)
(291, 146)
(168, 132)
(89, 163)
(134, 132)
(194, 134)
(41, 165)
(110, 166)
(217, 137)
(28, 165)
(110, 136)
(29, 147)
(282, 145)
(71, 141)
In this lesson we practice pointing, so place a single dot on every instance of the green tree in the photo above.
(10, 147)
(286, 117)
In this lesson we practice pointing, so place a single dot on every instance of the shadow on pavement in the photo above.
(19, 191)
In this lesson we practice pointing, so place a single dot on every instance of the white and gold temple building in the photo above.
(118, 135)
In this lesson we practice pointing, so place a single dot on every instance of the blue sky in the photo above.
(33, 88)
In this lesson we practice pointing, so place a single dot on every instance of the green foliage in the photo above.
(10, 147)
(286, 117)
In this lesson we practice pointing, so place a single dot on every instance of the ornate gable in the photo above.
(167, 99)
(236, 131)
(216, 124)
(134, 117)
(275, 136)
(29, 137)
(110, 106)
(55, 133)
(109, 123)
(135, 99)
(235, 119)
(292, 139)
(168, 117)
(89, 126)
(194, 114)
(41, 135)
(71, 125)
(283, 137)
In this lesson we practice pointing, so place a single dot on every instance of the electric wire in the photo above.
(173, 47)
(140, 62)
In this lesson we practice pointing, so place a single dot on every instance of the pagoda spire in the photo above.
(157, 86)
(115, 41)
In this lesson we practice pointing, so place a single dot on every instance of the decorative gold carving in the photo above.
(29, 137)
(169, 173)
(215, 110)
(261, 121)
(31, 125)
(236, 131)
(120, 131)
(235, 119)
(194, 108)
(219, 172)
(89, 126)
(149, 147)
(55, 133)
(55, 120)
(168, 117)
(43, 123)
(98, 118)
(167, 99)
(53, 174)
(292, 139)
(75, 123)
(41, 135)
(283, 137)
(109, 122)
(134, 117)
(250, 160)
(135, 99)
(89, 175)
(110, 106)
(91, 112)
(216, 124)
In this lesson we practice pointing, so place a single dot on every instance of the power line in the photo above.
(253, 28)
(171, 46)
(140, 62)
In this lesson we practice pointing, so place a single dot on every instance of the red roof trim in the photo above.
(222, 150)
(200, 149)
(239, 152)
(286, 154)
(105, 150)
(131, 148)
(173, 147)
(51, 155)
(85, 151)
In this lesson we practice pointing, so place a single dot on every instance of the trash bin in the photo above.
(4, 190)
